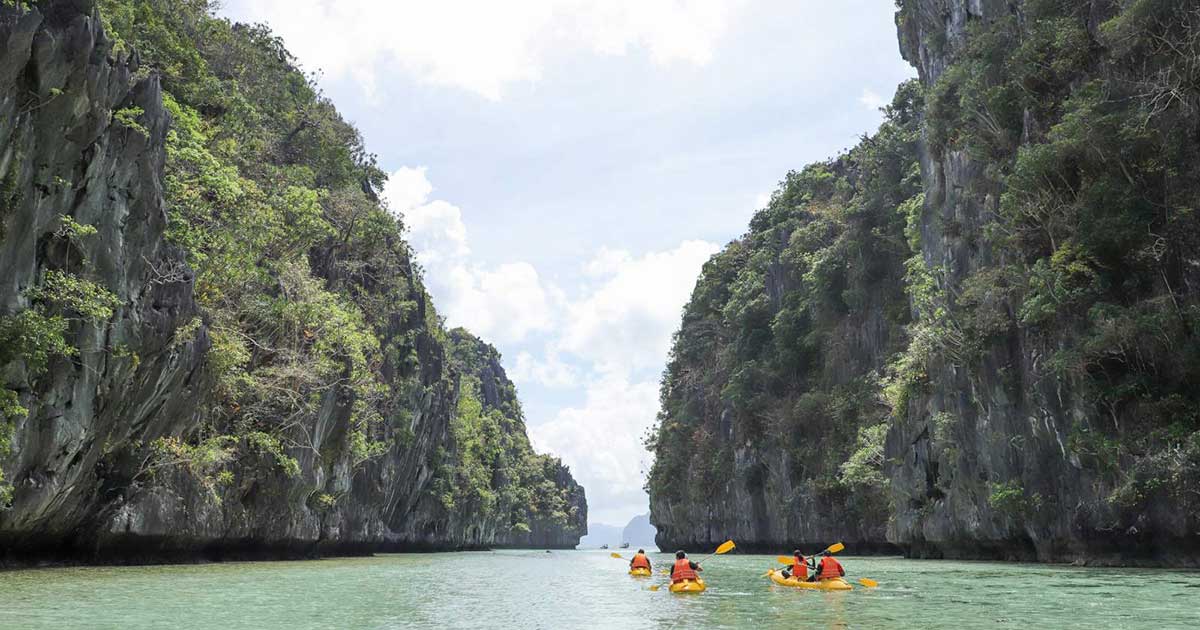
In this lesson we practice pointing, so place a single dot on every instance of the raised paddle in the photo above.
(725, 547)
(832, 549)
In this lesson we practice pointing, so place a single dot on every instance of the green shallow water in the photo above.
(580, 589)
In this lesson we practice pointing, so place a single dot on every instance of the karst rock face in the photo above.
(772, 376)
(558, 518)
(1011, 420)
(1021, 376)
(82, 135)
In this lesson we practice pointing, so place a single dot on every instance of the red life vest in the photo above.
(683, 571)
(799, 568)
(829, 569)
(640, 561)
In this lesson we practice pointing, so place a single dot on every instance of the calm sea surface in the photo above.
(588, 589)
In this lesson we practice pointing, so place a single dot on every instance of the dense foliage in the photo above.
(489, 468)
(313, 314)
(784, 341)
(1076, 125)
(1086, 116)
(303, 276)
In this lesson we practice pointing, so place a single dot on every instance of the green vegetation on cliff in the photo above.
(328, 401)
(784, 341)
(489, 467)
(301, 273)
(1000, 348)
(1085, 117)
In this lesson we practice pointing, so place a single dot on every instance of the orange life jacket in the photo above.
(683, 571)
(640, 561)
(829, 569)
(799, 568)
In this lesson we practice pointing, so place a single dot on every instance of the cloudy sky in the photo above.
(566, 166)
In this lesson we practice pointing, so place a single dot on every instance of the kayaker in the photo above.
(684, 569)
(640, 561)
(799, 567)
(829, 568)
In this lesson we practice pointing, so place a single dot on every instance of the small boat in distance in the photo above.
(605, 546)
(624, 545)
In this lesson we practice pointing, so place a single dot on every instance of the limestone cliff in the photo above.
(773, 380)
(490, 487)
(1064, 428)
(1020, 377)
(302, 401)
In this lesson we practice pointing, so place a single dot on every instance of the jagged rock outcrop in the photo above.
(1006, 453)
(120, 448)
(63, 154)
(773, 379)
(1034, 398)
(491, 488)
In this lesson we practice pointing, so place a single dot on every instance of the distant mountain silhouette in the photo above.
(639, 532)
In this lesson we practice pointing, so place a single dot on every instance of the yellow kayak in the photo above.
(688, 586)
(640, 572)
(836, 584)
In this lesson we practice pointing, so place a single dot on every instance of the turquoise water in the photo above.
(582, 589)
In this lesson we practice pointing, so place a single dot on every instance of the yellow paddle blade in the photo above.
(725, 547)
(868, 582)
(616, 555)
(785, 559)
(655, 587)
(836, 547)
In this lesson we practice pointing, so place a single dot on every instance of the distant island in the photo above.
(638, 532)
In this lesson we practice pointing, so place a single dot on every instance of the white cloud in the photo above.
(602, 443)
(626, 323)
(436, 227)
(549, 371)
(607, 262)
(618, 330)
(615, 327)
(871, 99)
(501, 304)
(483, 46)
(407, 188)
(438, 231)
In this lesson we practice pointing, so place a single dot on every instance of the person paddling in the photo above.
(640, 561)
(684, 569)
(799, 568)
(828, 569)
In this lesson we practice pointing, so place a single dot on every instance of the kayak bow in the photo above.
(836, 584)
(688, 586)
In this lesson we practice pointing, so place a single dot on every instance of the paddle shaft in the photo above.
(812, 559)
(719, 551)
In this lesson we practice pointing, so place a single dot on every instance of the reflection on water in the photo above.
(516, 589)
